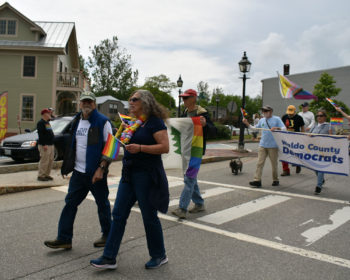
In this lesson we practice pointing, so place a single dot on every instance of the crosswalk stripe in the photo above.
(207, 193)
(244, 209)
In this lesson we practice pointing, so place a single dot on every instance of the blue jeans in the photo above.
(320, 178)
(190, 191)
(79, 186)
(137, 189)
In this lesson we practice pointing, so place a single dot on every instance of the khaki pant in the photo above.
(262, 155)
(46, 160)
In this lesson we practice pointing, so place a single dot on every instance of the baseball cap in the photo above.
(305, 104)
(44, 111)
(87, 95)
(267, 108)
(291, 109)
(189, 92)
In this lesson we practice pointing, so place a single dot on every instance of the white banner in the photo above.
(325, 153)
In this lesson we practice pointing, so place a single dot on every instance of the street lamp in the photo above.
(244, 67)
(179, 84)
(217, 106)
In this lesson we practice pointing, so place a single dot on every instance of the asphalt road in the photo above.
(282, 232)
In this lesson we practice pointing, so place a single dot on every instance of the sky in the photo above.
(203, 40)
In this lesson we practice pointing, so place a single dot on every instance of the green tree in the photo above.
(203, 94)
(83, 66)
(161, 86)
(326, 89)
(111, 70)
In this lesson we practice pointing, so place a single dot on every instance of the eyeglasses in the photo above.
(186, 97)
(264, 111)
(134, 99)
(320, 116)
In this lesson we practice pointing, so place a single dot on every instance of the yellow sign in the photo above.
(3, 114)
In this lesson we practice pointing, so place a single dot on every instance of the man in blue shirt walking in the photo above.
(267, 145)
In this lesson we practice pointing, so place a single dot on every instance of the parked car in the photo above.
(25, 146)
(236, 130)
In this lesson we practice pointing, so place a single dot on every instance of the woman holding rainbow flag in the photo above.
(143, 179)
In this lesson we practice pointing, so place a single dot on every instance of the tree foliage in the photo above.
(203, 94)
(326, 89)
(161, 86)
(83, 67)
(111, 70)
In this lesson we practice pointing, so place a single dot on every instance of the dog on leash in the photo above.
(236, 165)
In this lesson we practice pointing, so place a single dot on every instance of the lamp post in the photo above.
(244, 67)
(217, 106)
(179, 84)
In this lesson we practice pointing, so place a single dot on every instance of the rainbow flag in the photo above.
(112, 147)
(337, 121)
(288, 89)
(196, 149)
(124, 118)
(244, 112)
(332, 102)
(186, 145)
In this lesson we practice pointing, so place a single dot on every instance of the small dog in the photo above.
(236, 165)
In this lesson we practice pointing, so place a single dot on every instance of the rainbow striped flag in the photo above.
(332, 102)
(112, 147)
(244, 112)
(337, 121)
(124, 118)
(196, 149)
(186, 145)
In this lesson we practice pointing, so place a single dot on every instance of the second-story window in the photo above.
(29, 66)
(8, 27)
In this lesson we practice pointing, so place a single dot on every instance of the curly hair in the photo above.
(150, 106)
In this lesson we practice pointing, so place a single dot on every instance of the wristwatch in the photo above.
(102, 167)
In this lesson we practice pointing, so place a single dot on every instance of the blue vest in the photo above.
(95, 142)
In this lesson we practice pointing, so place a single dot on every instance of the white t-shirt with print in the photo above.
(81, 142)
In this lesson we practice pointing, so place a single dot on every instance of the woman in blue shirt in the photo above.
(143, 180)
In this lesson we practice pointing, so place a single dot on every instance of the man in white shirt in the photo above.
(89, 132)
(308, 117)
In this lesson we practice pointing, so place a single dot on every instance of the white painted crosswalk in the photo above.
(228, 213)
(245, 209)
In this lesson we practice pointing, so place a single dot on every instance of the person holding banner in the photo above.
(293, 122)
(191, 189)
(83, 155)
(321, 127)
(143, 180)
(267, 145)
(308, 116)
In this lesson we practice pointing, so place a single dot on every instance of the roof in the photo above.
(105, 98)
(57, 36)
(53, 35)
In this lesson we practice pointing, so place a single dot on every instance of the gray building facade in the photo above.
(271, 92)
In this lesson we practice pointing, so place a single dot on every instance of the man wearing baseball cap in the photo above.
(45, 146)
(308, 117)
(293, 122)
(83, 156)
(191, 190)
(267, 145)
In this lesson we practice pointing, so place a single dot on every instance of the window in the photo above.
(27, 108)
(61, 67)
(8, 27)
(29, 66)
(3, 27)
(67, 48)
(113, 108)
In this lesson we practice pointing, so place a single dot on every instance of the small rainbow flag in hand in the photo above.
(112, 147)
(337, 121)
(332, 102)
(124, 118)
(244, 112)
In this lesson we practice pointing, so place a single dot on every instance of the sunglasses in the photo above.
(320, 116)
(186, 97)
(264, 111)
(134, 99)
